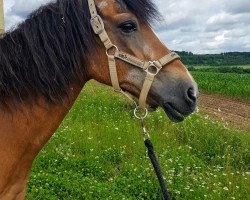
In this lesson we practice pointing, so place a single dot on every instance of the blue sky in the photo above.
(200, 26)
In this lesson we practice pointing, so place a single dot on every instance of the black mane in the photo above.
(48, 51)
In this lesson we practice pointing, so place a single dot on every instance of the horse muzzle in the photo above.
(178, 99)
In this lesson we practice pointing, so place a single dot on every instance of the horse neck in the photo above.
(23, 133)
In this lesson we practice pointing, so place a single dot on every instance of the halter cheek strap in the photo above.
(152, 68)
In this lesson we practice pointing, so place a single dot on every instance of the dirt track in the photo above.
(230, 111)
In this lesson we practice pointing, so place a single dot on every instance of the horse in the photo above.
(46, 60)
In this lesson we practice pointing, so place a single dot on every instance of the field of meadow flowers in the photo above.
(98, 153)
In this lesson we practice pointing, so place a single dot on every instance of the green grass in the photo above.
(229, 66)
(235, 85)
(235, 70)
(98, 153)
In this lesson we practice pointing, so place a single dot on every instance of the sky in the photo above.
(199, 26)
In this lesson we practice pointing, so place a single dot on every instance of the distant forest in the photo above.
(223, 59)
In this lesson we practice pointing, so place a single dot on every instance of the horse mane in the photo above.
(45, 53)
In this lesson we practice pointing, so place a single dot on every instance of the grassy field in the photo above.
(98, 153)
(234, 85)
(207, 66)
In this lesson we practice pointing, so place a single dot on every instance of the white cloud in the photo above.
(16, 11)
(24, 7)
(239, 6)
(200, 26)
(205, 26)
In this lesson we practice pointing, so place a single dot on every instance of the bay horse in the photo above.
(46, 60)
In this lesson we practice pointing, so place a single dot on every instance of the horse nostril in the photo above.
(192, 95)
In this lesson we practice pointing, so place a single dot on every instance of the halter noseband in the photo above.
(152, 68)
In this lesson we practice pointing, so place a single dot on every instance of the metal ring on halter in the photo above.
(150, 65)
(113, 46)
(139, 116)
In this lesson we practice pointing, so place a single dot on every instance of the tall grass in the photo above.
(98, 153)
(235, 70)
(236, 85)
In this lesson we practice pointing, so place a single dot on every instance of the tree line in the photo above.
(222, 59)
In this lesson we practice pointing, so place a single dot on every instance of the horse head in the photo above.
(127, 24)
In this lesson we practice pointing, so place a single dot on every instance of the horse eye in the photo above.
(128, 27)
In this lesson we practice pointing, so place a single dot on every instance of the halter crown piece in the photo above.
(152, 68)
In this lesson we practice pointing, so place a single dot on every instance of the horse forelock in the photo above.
(145, 10)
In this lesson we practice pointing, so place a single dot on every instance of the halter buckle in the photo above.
(97, 24)
(152, 68)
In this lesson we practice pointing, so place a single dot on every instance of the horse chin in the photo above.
(152, 108)
(172, 112)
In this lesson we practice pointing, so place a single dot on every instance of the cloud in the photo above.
(22, 8)
(236, 7)
(200, 26)
(205, 26)
(17, 10)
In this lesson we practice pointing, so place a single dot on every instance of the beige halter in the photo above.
(152, 68)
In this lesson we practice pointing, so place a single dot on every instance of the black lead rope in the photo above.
(151, 153)
(157, 168)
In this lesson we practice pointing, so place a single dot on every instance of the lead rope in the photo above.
(157, 168)
(151, 155)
